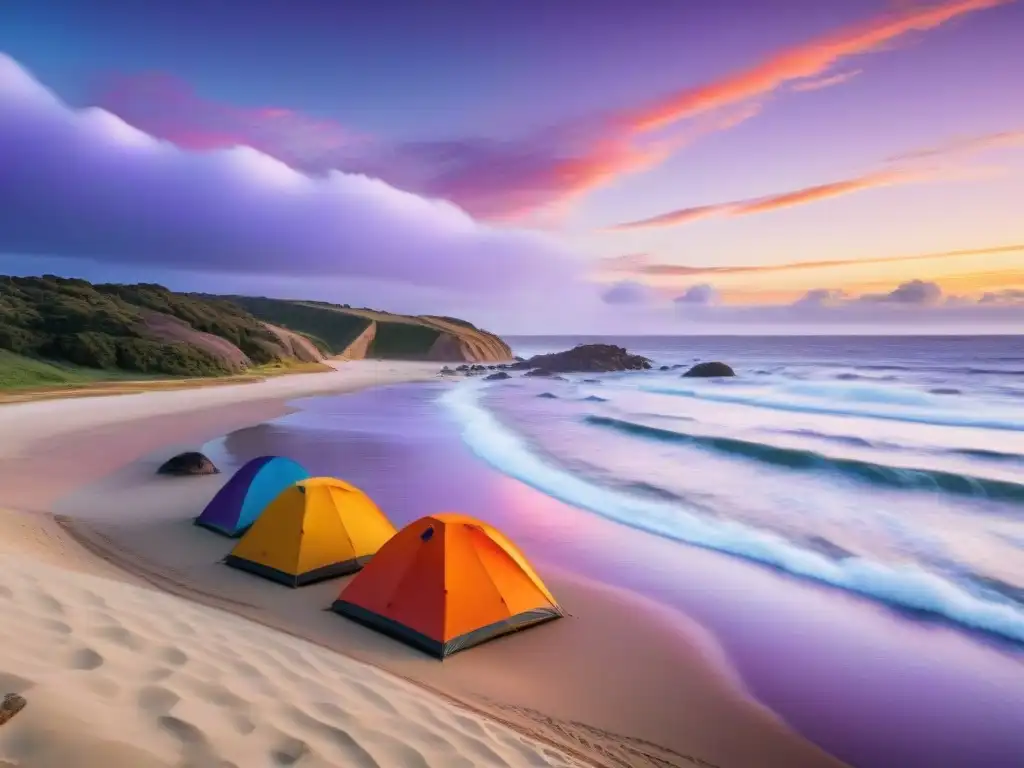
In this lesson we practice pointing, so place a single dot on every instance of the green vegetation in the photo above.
(19, 372)
(68, 333)
(402, 340)
(330, 329)
(207, 314)
(108, 327)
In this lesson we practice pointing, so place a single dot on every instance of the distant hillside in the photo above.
(146, 329)
(340, 330)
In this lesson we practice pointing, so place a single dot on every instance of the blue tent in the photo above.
(237, 505)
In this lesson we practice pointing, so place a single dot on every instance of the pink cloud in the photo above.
(512, 179)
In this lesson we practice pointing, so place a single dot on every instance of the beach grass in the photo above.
(25, 378)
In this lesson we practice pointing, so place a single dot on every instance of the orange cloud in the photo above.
(818, 84)
(966, 146)
(637, 265)
(807, 60)
(914, 170)
(774, 202)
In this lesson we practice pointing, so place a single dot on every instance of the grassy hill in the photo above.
(58, 331)
(336, 328)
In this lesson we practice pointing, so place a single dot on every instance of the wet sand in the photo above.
(873, 685)
(620, 682)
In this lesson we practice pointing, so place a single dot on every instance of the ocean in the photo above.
(891, 467)
(845, 517)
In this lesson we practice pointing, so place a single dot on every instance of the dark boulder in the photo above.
(587, 358)
(665, 368)
(12, 705)
(189, 463)
(497, 376)
(446, 371)
(709, 370)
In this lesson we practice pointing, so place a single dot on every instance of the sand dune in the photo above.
(119, 675)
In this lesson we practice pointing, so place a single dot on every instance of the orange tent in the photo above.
(447, 582)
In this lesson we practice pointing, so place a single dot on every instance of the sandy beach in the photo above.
(227, 667)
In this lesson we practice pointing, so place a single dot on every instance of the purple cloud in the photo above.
(628, 292)
(702, 294)
(822, 297)
(488, 178)
(916, 292)
(1009, 296)
(83, 183)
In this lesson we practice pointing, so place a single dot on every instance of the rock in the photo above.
(12, 705)
(665, 368)
(709, 370)
(591, 381)
(446, 371)
(538, 372)
(189, 463)
(497, 376)
(587, 358)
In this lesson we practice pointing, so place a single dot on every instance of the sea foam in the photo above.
(864, 406)
(903, 585)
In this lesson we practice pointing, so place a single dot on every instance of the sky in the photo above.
(619, 166)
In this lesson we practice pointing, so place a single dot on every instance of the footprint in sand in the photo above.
(50, 604)
(173, 656)
(289, 751)
(56, 626)
(195, 747)
(159, 674)
(117, 634)
(340, 738)
(85, 659)
(157, 701)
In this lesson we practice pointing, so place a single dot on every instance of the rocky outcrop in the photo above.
(12, 704)
(188, 463)
(588, 358)
(709, 370)
(497, 376)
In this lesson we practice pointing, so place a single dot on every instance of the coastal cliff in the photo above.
(56, 330)
(355, 333)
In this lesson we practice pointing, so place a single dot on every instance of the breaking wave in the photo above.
(904, 585)
(853, 405)
(801, 459)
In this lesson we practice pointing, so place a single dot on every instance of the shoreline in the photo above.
(137, 435)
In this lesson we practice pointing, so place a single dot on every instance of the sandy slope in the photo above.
(119, 675)
(114, 666)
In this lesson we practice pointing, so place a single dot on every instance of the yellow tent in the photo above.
(316, 529)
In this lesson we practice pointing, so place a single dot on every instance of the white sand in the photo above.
(24, 423)
(117, 673)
